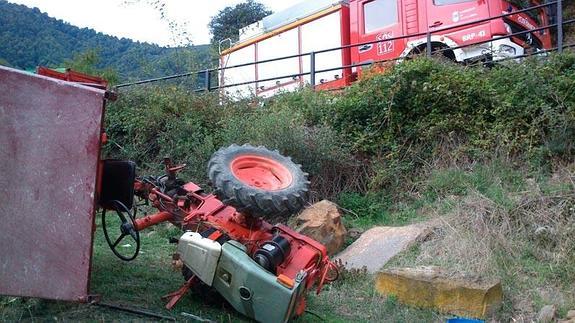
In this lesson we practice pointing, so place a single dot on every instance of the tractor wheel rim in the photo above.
(261, 172)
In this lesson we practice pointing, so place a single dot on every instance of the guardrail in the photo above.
(206, 75)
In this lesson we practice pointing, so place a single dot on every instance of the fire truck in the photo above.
(390, 29)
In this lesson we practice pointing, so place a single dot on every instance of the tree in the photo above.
(87, 62)
(228, 22)
(4, 62)
(30, 38)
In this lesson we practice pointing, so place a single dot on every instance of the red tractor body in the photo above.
(205, 211)
(247, 260)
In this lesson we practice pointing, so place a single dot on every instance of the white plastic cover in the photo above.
(200, 254)
(284, 44)
(314, 37)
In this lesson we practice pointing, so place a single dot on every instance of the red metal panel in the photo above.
(74, 76)
(49, 150)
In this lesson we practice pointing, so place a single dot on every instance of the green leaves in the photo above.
(30, 38)
(228, 22)
(424, 110)
(380, 133)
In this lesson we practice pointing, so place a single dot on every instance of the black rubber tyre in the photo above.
(253, 200)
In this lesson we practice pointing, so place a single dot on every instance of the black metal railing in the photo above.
(206, 75)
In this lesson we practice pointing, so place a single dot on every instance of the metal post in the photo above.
(559, 26)
(428, 50)
(312, 69)
(207, 80)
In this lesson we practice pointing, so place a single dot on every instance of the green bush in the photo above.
(422, 112)
(382, 133)
(148, 123)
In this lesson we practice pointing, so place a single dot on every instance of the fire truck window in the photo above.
(378, 14)
(444, 2)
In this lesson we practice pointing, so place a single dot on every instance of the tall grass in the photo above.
(504, 223)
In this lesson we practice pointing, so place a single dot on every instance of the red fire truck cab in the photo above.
(313, 26)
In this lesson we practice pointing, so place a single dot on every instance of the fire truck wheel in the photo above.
(258, 181)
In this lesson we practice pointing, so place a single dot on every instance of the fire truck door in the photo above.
(376, 20)
(447, 13)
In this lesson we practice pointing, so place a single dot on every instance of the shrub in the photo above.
(424, 111)
(149, 123)
(381, 133)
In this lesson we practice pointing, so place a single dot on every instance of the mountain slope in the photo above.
(30, 38)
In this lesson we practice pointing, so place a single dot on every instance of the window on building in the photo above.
(378, 14)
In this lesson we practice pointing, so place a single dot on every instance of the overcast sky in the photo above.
(137, 20)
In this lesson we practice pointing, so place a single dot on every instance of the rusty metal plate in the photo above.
(49, 150)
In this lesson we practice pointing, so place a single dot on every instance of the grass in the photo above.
(490, 214)
(353, 299)
(366, 211)
(508, 224)
(498, 222)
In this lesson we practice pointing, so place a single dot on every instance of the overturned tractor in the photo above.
(262, 270)
(51, 142)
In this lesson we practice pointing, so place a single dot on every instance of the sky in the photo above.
(138, 20)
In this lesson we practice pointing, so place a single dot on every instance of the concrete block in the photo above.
(430, 287)
(378, 245)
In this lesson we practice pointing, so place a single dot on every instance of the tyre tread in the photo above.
(251, 200)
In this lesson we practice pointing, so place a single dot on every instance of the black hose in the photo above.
(315, 314)
(136, 311)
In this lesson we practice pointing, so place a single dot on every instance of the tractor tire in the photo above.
(257, 181)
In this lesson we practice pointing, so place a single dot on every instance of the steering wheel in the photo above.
(127, 229)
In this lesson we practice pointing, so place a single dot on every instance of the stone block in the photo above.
(430, 287)
(378, 245)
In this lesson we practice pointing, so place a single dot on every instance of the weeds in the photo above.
(147, 124)
(500, 226)
(353, 298)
